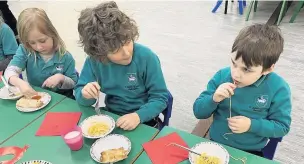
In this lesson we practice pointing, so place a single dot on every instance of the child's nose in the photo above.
(39, 47)
(236, 73)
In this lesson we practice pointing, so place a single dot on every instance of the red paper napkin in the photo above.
(160, 153)
(55, 123)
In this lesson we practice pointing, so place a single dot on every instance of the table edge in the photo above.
(18, 131)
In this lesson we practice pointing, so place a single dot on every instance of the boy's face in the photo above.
(123, 56)
(244, 76)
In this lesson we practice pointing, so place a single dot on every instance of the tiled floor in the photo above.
(193, 44)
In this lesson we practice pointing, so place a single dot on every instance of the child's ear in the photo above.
(268, 70)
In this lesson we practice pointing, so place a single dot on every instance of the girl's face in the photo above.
(40, 42)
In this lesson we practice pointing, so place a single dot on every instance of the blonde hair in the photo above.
(31, 18)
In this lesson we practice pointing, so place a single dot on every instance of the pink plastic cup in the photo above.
(73, 138)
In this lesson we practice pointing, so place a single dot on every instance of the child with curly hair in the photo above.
(127, 72)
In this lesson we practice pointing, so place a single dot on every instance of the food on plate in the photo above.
(98, 128)
(113, 155)
(29, 103)
(206, 159)
(36, 97)
(36, 162)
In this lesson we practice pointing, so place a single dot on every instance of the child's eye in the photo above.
(42, 41)
(234, 65)
(246, 70)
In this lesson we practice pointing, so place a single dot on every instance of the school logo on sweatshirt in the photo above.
(132, 81)
(261, 101)
(132, 78)
(59, 68)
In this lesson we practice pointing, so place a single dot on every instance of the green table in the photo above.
(53, 149)
(12, 121)
(191, 140)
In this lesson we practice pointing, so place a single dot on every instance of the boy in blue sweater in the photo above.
(249, 102)
(127, 72)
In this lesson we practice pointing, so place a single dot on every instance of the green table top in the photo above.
(11, 120)
(54, 150)
(191, 140)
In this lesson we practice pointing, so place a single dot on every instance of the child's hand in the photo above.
(27, 90)
(53, 81)
(91, 90)
(223, 91)
(239, 124)
(128, 121)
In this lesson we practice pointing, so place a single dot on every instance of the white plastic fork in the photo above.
(97, 110)
(7, 86)
(174, 144)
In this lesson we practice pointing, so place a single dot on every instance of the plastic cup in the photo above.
(73, 138)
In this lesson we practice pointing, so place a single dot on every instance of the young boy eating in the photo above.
(127, 72)
(249, 102)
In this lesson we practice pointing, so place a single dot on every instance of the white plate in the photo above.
(4, 93)
(112, 141)
(97, 118)
(45, 98)
(36, 162)
(211, 149)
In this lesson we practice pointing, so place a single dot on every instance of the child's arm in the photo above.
(204, 105)
(69, 76)
(86, 76)
(277, 124)
(17, 64)
(65, 80)
(8, 40)
(157, 91)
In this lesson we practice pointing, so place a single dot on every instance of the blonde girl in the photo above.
(43, 55)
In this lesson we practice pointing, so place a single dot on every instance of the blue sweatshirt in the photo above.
(267, 103)
(138, 87)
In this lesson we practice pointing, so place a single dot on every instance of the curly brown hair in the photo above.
(104, 29)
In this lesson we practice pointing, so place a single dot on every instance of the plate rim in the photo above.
(191, 160)
(127, 139)
(11, 98)
(21, 109)
(101, 136)
(44, 162)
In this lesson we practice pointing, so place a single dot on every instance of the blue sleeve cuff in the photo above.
(204, 107)
(143, 115)
(255, 126)
(83, 101)
(212, 103)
